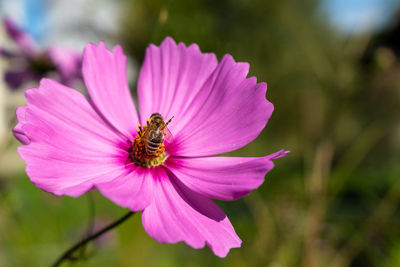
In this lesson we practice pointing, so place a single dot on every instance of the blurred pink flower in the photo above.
(29, 63)
(73, 144)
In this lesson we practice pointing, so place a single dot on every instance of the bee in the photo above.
(155, 132)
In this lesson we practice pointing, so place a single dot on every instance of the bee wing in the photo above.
(168, 135)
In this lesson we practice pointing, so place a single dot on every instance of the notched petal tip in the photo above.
(117, 50)
(20, 113)
(262, 84)
(168, 41)
(223, 178)
(225, 252)
(18, 129)
(179, 214)
(20, 134)
(46, 86)
(280, 154)
(193, 47)
(228, 59)
(45, 82)
(93, 48)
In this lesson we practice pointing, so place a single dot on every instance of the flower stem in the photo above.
(69, 252)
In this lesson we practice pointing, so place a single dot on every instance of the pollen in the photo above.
(139, 153)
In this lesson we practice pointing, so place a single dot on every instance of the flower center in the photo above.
(148, 148)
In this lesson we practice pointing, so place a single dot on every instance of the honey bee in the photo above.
(155, 132)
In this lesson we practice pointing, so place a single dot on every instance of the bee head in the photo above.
(156, 119)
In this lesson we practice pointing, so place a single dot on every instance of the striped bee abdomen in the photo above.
(154, 141)
(152, 146)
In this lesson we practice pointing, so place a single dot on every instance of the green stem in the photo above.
(69, 252)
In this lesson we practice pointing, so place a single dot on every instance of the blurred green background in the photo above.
(334, 201)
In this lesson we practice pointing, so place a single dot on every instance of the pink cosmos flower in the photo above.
(74, 144)
(29, 63)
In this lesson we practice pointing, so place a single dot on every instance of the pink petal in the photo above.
(104, 72)
(216, 109)
(229, 112)
(224, 178)
(9, 54)
(179, 214)
(67, 62)
(16, 78)
(133, 191)
(21, 38)
(71, 148)
(171, 76)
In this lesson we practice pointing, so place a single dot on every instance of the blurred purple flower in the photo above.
(73, 144)
(29, 63)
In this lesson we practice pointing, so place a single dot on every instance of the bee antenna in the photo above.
(168, 122)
